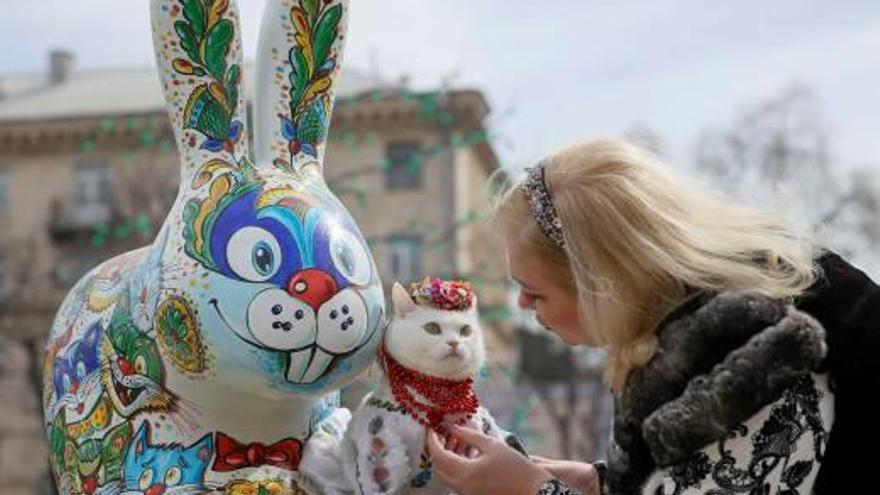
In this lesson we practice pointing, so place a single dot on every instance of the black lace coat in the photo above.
(723, 357)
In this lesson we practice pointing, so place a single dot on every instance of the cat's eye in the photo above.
(146, 479)
(172, 476)
(140, 365)
(465, 331)
(432, 328)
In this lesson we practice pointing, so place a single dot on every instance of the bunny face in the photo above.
(288, 270)
(304, 283)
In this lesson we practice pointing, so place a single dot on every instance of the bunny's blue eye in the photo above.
(263, 258)
(254, 254)
(350, 257)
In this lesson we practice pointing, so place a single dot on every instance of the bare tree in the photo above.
(777, 154)
(569, 384)
(646, 137)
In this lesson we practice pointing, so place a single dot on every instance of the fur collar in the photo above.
(720, 359)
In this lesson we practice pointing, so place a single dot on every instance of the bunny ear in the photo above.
(298, 61)
(198, 54)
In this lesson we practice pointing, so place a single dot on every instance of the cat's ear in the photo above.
(204, 448)
(118, 435)
(141, 442)
(475, 304)
(93, 335)
(403, 303)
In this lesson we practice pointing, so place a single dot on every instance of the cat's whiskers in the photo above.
(113, 487)
(185, 416)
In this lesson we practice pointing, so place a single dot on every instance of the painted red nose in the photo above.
(124, 366)
(155, 490)
(74, 386)
(313, 287)
(89, 485)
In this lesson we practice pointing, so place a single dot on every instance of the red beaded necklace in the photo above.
(445, 397)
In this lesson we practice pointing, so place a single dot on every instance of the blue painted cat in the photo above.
(165, 469)
(77, 377)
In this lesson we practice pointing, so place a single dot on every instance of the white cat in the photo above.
(431, 351)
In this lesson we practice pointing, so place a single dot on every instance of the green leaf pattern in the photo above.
(315, 30)
(217, 48)
(206, 38)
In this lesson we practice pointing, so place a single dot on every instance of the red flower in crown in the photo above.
(455, 295)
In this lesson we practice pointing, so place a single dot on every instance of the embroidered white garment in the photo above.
(382, 450)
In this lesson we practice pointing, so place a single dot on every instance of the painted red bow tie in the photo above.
(232, 455)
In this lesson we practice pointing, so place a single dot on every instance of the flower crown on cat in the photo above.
(450, 295)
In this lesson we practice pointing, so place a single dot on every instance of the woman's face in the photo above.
(555, 307)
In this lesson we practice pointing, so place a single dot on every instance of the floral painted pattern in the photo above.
(178, 333)
(206, 37)
(311, 66)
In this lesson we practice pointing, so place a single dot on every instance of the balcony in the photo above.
(76, 219)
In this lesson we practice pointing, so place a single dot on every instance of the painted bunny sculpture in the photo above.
(206, 361)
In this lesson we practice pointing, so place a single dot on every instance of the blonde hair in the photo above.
(639, 238)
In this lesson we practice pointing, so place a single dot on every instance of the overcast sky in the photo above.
(554, 71)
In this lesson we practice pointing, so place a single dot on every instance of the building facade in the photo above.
(88, 170)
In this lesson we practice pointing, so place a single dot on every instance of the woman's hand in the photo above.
(578, 475)
(472, 463)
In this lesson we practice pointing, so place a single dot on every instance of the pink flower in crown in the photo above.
(452, 295)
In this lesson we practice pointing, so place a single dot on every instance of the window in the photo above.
(404, 165)
(4, 190)
(92, 184)
(405, 253)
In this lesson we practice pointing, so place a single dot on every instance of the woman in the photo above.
(739, 354)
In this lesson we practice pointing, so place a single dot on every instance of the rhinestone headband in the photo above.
(542, 205)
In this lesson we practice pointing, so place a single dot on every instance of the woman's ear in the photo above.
(298, 61)
(403, 303)
(198, 54)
